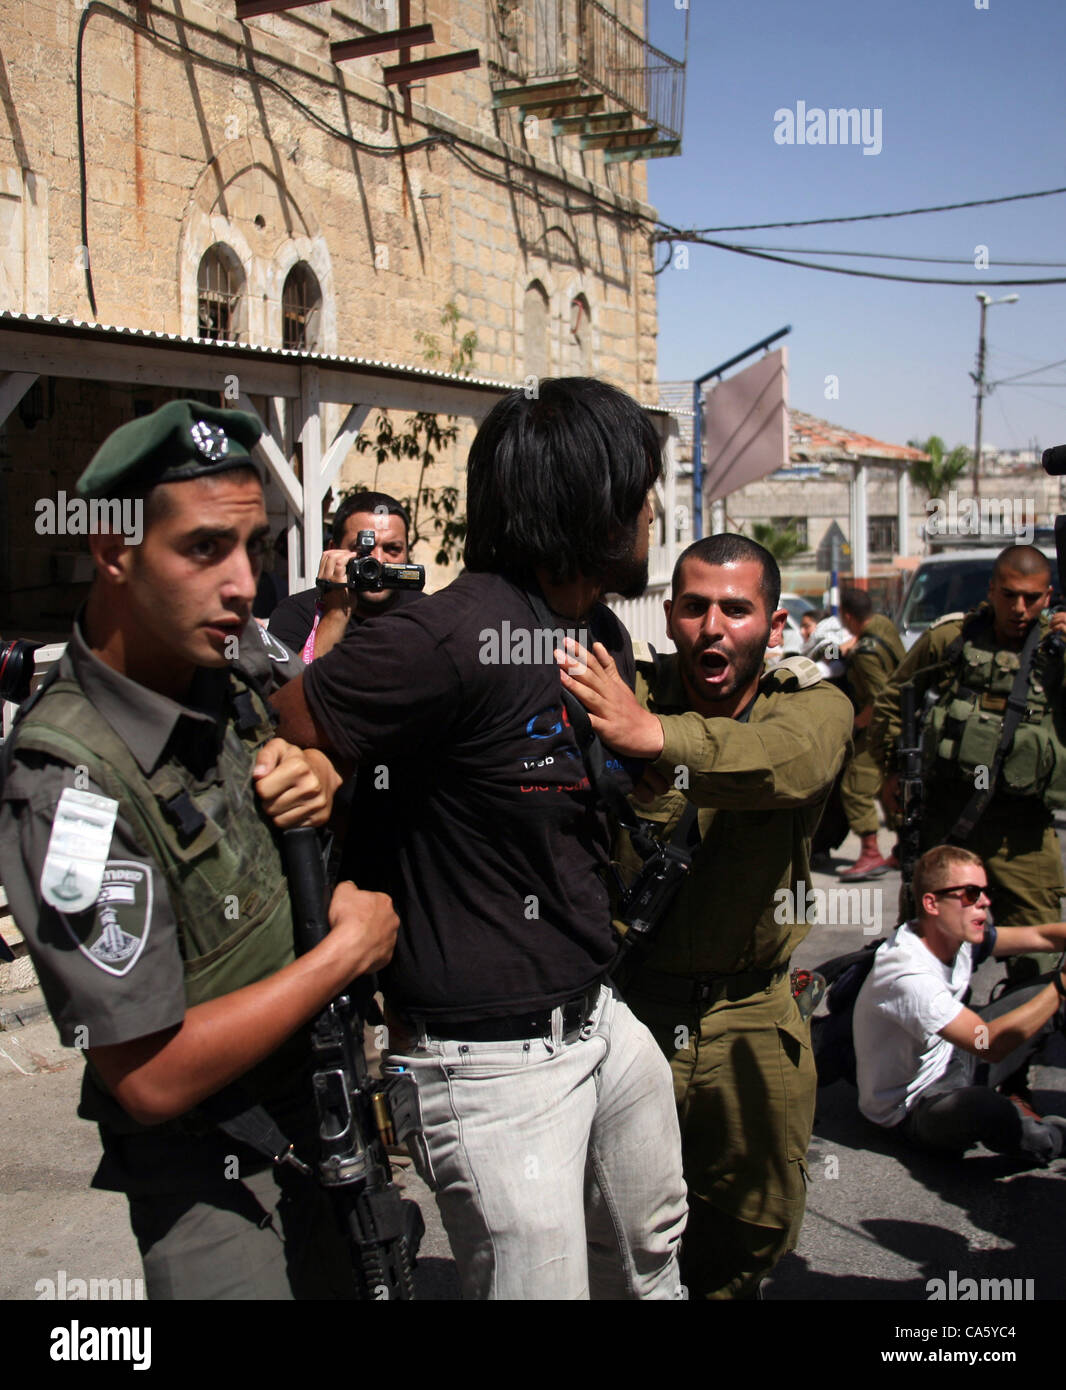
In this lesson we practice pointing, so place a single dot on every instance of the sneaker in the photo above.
(1057, 1122)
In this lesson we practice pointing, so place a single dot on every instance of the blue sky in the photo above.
(972, 108)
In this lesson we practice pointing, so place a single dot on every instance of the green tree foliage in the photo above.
(942, 469)
(782, 542)
(434, 510)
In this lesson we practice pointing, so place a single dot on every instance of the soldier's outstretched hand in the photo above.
(614, 710)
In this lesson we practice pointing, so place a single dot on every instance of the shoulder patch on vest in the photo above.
(276, 649)
(122, 919)
(798, 669)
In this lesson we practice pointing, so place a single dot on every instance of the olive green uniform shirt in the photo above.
(760, 786)
(874, 657)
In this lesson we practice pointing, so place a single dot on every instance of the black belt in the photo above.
(576, 1012)
(699, 990)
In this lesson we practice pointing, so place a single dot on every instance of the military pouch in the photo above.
(1029, 769)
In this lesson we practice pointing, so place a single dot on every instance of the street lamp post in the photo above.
(979, 378)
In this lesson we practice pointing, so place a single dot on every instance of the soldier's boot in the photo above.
(869, 863)
(723, 1257)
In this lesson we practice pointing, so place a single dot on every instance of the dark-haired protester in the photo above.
(872, 656)
(928, 1065)
(756, 754)
(548, 1131)
(312, 623)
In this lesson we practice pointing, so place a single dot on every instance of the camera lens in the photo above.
(16, 670)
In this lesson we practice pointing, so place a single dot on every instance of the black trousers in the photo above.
(962, 1107)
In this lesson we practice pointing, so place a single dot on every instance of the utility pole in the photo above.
(979, 377)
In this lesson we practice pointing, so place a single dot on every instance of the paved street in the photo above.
(880, 1222)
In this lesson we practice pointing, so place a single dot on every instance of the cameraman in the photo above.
(311, 623)
(548, 1130)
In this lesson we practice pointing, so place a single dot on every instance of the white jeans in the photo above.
(556, 1161)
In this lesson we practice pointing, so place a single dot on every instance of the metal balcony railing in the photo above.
(540, 39)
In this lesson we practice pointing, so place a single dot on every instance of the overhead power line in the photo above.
(1031, 372)
(890, 256)
(876, 216)
(674, 234)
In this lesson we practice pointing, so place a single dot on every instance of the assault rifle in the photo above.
(909, 767)
(358, 1116)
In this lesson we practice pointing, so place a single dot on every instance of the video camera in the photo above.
(369, 576)
(16, 670)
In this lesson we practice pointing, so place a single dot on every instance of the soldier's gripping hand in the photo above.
(295, 785)
(365, 924)
(616, 713)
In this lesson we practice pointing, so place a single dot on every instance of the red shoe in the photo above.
(869, 863)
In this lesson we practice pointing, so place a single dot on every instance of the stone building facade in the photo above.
(165, 166)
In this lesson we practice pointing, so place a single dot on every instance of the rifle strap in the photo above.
(1016, 705)
(249, 1124)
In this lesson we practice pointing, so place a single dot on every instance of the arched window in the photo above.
(580, 335)
(301, 303)
(535, 316)
(220, 286)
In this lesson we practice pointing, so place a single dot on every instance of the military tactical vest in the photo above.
(962, 731)
(208, 836)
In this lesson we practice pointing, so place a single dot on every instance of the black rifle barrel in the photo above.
(383, 1230)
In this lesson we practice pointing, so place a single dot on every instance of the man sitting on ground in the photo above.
(927, 1064)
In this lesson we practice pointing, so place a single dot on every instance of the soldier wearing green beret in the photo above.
(141, 789)
(757, 755)
(967, 666)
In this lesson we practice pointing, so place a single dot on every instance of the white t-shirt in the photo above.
(908, 996)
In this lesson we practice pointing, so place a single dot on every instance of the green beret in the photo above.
(180, 440)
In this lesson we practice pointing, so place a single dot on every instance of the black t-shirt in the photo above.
(294, 616)
(484, 827)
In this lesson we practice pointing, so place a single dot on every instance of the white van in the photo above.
(953, 581)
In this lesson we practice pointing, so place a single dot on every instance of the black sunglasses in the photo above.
(968, 892)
